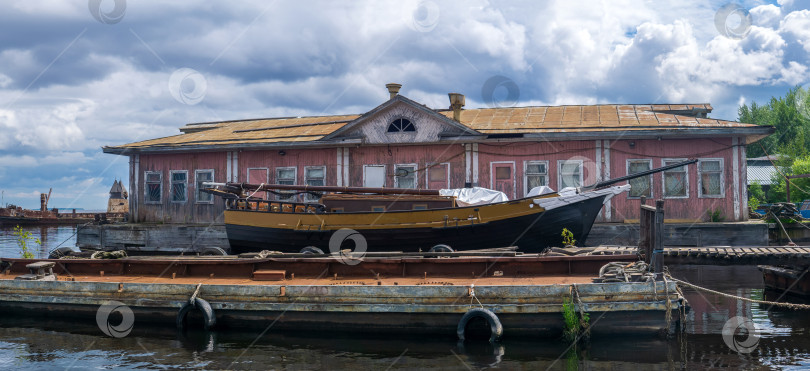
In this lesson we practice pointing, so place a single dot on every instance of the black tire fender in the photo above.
(441, 248)
(311, 250)
(210, 319)
(60, 252)
(495, 327)
(212, 251)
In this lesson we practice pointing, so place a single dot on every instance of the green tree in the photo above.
(789, 115)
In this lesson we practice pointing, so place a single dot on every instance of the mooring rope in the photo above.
(194, 295)
(793, 306)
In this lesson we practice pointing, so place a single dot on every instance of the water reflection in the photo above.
(26, 342)
(50, 236)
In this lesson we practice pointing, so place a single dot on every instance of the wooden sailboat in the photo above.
(391, 219)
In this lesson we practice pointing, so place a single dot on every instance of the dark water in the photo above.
(784, 341)
(50, 236)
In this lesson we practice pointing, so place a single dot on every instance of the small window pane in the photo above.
(710, 184)
(315, 172)
(152, 177)
(178, 177)
(710, 165)
(286, 174)
(535, 181)
(503, 172)
(536, 168)
(437, 173)
(153, 192)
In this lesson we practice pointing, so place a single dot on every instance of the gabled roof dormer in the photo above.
(401, 120)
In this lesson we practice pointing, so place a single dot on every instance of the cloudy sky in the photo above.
(78, 75)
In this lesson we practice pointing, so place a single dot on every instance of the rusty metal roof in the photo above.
(605, 119)
(295, 129)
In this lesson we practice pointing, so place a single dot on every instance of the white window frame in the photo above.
(266, 175)
(627, 172)
(560, 173)
(146, 183)
(526, 174)
(492, 176)
(172, 183)
(197, 188)
(430, 165)
(385, 178)
(722, 178)
(415, 175)
(308, 197)
(664, 183)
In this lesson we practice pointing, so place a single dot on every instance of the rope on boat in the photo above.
(256, 191)
(623, 272)
(793, 306)
(472, 296)
(194, 295)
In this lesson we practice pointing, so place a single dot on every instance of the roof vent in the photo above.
(393, 89)
(456, 102)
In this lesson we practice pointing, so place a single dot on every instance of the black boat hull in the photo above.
(531, 233)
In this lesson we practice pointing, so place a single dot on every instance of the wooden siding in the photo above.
(686, 209)
(390, 156)
(189, 211)
(600, 158)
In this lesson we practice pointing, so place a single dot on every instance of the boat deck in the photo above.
(310, 281)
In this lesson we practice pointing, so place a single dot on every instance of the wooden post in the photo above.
(646, 232)
(658, 246)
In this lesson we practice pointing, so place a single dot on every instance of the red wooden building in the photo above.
(402, 143)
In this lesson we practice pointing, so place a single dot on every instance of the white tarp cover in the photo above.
(539, 191)
(474, 196)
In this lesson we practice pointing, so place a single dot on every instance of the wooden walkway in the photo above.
(723, 255)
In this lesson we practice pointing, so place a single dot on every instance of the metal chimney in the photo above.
(456, 102)
(393, 89)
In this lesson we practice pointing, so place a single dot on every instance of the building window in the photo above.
(641, 186)
(179, 185)
(200, 177)
(535, 174)
(286, 175)
(569, 173)
(378, 209)
(710, 178)
(676, 181)
(405, 176)
(153, 191)
(401, 125)
(314, 176)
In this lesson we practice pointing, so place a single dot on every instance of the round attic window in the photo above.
(401, 125)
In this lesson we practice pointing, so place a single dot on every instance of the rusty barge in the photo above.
(511, 295)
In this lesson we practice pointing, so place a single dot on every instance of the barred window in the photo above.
(641, 186)
(676, 183)
(710, 177)
(153, 187)
(179, 185)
